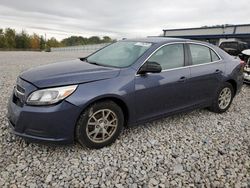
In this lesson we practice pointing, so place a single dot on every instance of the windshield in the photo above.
(119, 54)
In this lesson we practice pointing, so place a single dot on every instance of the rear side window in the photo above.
(201, 54)
(169, 57)
(214, 56)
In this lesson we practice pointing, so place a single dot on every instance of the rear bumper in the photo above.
(50, 124)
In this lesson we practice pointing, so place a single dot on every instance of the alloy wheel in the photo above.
(225, 98)
(101, 125)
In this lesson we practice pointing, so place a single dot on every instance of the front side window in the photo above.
(169, 57)
(119, 54)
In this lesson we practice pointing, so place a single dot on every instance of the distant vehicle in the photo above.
(233, 48)
(246, 58)
(126, 83)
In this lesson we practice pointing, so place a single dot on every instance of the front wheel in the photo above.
(223, 98)
(100, 125)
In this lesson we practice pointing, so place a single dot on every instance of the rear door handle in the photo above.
(218, 71)
(182, 79)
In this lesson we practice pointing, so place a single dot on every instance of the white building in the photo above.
(212, 34)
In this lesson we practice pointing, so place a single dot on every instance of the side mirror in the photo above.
(150, 67)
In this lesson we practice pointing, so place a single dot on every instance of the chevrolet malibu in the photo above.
(129, 82)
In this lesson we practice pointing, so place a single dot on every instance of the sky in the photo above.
(118, 18)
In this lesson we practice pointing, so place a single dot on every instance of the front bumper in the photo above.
(54, 123)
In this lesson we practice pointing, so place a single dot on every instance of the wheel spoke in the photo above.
(92, 132)
(103, 135)
(105, 132)
(107, 115)
(103, 114)
(97, 131)
(94, 118)
(112, 121)
(92, 123)
(111, 125)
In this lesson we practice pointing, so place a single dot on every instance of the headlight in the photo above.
(50, 96)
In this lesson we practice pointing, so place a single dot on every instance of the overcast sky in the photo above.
(118, 18)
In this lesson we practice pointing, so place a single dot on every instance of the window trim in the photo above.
(191, 60)
(184, 55)
(188, 65)
(167, 44)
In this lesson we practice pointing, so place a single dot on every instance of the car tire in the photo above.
(100, 125)
(223, 99)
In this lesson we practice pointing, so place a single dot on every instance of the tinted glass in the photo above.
(200, 54)
(119, 54)
(214, 56)
(229, 45)
(170, 56)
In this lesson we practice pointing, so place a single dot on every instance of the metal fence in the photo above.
(85, 48)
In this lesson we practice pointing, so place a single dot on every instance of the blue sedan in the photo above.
(129, 82)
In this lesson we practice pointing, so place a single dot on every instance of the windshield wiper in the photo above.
(90, 62)
(93, 63)
(86, 60)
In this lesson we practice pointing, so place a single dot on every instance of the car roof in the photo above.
(165, 40)
(157, 39)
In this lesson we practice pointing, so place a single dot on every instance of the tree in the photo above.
(35, 42)
(2, 39)
(106, 39)
(22, 40)
(78, 40)
(74, 41)
(42, 43)
(52, 42)
(94, 40)
(10, 39)
(10, 35)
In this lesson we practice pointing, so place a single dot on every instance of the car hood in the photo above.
(66, 73)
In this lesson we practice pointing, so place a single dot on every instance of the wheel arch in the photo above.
(234, 84)
(116, 99)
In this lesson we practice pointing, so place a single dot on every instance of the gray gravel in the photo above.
(196, 149)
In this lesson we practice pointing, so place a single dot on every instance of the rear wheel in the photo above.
(223, 98)
(100, 124)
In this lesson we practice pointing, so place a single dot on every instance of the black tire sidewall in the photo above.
(83, 120)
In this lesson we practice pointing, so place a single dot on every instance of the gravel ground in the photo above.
(196, 149)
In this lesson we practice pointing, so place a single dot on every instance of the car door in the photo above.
(160, 93)
(207, 70)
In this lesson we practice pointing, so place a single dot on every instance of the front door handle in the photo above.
(182, 79)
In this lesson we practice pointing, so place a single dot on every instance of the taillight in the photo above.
(242, 66)
(243, 63)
